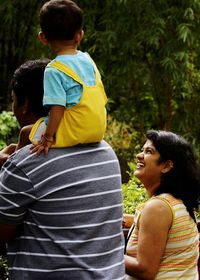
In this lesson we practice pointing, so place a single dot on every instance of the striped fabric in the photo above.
(180, 257)
(68, 206)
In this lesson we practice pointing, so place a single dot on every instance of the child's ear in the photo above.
(82, 34)
(42, 38)
(79, 36)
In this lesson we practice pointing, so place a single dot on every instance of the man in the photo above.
(61, 214)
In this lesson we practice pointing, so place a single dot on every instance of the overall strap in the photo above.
(98, 75)
(67, 70)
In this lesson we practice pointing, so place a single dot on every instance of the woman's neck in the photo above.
(151, 189)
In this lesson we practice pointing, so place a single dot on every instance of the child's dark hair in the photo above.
(60, 20)
(27, 83)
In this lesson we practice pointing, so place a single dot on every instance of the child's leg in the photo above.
(37, 131)
(24, 136)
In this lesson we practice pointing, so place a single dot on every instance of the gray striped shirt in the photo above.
(68, 206)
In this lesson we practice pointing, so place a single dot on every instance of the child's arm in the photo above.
(55, 116)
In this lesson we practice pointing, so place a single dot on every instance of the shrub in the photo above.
(124, 140)
(8, 128)
(133, 193)
(3, 268)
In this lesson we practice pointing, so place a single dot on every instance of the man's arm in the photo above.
(16, 194)
(7, 233)
(6, 152)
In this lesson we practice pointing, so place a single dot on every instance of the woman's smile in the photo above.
(140, 164)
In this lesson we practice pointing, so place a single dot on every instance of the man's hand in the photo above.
(6, 152)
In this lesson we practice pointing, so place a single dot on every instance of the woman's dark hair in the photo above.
(60, 19)
(183, 180)
(27, 84)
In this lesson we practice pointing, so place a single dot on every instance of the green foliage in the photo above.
(18, 40)
(133, 193)
(148, 53)
(123, 140)
(8, 128)
(3, 268)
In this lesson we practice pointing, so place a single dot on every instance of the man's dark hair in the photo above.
(60, 20)
(183, 180)
(27, 84)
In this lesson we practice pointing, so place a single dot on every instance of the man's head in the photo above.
(60, 20)
(27, 90)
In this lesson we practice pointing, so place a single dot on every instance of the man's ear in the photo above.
(25, 107)
(42, 38)
(168, 165)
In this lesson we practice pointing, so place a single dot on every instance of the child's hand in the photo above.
(43, 146)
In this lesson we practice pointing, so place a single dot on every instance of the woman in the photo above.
(164, 241)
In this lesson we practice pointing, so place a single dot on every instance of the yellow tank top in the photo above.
(179, 260)
(86, 121)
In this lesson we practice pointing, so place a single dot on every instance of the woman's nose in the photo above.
(140, 155)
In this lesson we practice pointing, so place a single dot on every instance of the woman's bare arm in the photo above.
(154, 224)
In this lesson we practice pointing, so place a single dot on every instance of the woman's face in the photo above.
(149, 169)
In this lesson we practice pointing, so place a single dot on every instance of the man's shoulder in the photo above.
(24, 157)
(91, 160)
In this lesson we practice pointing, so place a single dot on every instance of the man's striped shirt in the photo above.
(68, 206)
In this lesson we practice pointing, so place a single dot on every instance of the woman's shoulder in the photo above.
(158, 206)
(168, 198)
(156, 213)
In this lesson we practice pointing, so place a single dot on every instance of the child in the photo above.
(73, 89)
